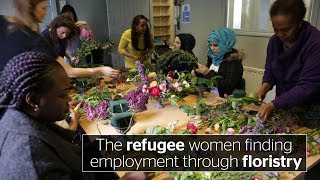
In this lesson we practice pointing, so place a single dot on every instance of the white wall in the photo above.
(255, 48)
(205, 15)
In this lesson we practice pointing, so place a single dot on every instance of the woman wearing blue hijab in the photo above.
(224, 61)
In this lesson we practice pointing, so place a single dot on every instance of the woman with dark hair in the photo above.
(68, 9)
(24, 27)
(33, 95)
(61, 32)
(136, 44)
(182, 58)
(292, 64)
(185, 42)
(224, 61)
(82, 32)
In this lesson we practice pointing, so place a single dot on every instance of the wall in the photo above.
(121, 13)
(95, 13)
(205, 15)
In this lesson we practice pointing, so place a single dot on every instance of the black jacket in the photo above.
(230, 70)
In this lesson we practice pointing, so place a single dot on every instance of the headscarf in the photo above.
(225, 38)
(187, 42)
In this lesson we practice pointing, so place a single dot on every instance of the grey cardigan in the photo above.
(29, 150)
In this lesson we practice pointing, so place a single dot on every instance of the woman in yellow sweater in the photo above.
(136, 44)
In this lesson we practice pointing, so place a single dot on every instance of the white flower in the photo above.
(187, 85)
(179, 89)
(176, 85)
(163, 86)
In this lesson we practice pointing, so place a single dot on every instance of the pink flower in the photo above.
(230, 131)
(163, 86)
(155, 91)
(145, 88)
(192, 127)
(86, 34)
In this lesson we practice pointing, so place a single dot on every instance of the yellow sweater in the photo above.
(125, 45)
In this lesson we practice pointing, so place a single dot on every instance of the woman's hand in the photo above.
(193, 73)
(73, 125)
(202, 69)
(261, 95)
(266, 110)
(74, 106)
(143, 58)
(74, 60)
(108, 71)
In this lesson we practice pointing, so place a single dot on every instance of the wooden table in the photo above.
(162, 117)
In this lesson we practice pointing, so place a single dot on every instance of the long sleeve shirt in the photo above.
(125, 45)
(295, 71)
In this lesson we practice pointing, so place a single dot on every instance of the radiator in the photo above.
(253, 77)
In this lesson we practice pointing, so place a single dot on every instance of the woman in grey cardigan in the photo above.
(34, 94)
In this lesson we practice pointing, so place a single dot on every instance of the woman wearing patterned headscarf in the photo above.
(223, 60)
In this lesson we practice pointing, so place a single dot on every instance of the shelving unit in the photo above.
(162, 21)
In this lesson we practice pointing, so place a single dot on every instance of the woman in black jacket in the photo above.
(224, 61)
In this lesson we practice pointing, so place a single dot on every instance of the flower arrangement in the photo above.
(87, 42)
(137, 99)
(96, 102)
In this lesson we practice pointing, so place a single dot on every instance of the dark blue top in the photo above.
(21, 40)
(60, 47)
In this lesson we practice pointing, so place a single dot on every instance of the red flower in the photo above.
(192, 127)
(155, 91)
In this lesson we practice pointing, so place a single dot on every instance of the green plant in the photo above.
(88, 46)
(178, 60)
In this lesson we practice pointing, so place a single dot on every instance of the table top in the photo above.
(162, 117)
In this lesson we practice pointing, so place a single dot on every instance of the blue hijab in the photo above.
(225, 38)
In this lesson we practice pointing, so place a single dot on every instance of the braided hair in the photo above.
(26, 72)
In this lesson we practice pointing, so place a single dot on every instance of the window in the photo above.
(253, 15)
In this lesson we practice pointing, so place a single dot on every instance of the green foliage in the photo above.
(95, 95)
(82, 84)
(210, 82)
(166, 129)
(175, 57)
(88, 46)
(199, 110)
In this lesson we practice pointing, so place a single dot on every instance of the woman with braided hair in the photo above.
(33, 95)
(20, 33)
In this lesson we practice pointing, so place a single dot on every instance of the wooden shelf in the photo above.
(161, 5)
(161, 25)
(161, 35)
(162, 20)
(162, 15)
